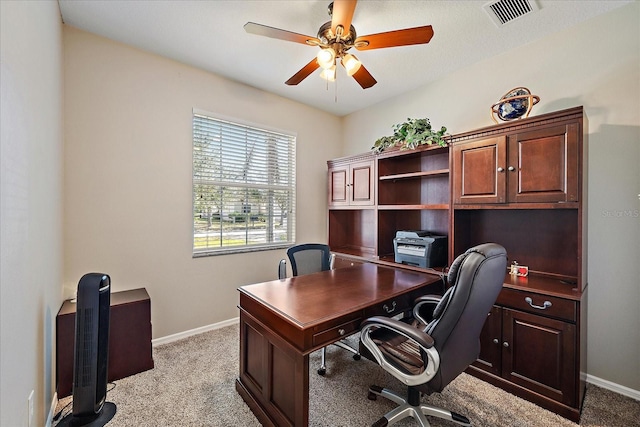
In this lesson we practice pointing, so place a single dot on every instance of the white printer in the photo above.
(420, 248)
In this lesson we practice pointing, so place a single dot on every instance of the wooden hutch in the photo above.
(521, 184)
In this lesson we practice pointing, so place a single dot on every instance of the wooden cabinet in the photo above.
(533, 347)
(351, 183)
(519, 184)
(130, 349)
(410, 192)
(535, 166)
(352, 219)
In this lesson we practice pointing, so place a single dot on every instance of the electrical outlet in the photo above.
(30, 401)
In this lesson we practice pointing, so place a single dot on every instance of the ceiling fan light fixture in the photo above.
(326, 58)
(329, 74)
(351, 64)
(337, 36)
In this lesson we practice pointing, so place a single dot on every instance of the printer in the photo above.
(420, 248)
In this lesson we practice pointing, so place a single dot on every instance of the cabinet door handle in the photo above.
(389, 310)
(500, 169)
(544, 305)
(495, 341)
(511, 168)
(505, 344)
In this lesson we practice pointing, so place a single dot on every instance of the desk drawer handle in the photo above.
(544, 306)
(341, 331)
(389, 310)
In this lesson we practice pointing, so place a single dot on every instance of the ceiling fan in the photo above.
(335, 41)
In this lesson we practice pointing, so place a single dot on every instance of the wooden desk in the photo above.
(129, 338)
(283, 321)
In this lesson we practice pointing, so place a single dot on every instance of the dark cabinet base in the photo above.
(130, 349)
(565, 411)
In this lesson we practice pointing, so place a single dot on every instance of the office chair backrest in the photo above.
(476, 279)
(309, 258)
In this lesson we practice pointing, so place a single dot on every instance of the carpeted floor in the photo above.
(193, 384)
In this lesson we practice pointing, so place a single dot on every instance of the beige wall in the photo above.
(595, 64)
(30, 205)
(127, 186)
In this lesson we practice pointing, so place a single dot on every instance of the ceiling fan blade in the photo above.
(342, 14)
(303, 73)
(276, 33)
(408, 36)
(364, 78)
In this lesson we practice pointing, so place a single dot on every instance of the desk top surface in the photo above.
(310, 299)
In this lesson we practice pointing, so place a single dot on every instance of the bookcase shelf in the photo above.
(411, 175)
(441, 206)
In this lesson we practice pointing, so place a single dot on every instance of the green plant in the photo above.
(411, 134)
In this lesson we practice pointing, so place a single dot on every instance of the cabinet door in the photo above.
(352, 184)
(543, 165)
(538, 353)
(362, 182)
(338, 180)
(491, 343)
(478, 171)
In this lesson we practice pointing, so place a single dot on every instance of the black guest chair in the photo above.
(442, 340)
(311, 258)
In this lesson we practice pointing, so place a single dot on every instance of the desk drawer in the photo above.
(391, 307)
(545, 305)
(336, 333)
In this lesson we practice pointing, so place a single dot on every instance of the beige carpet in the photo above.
(192, 384)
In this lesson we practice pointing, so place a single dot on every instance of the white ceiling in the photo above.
(210, 35)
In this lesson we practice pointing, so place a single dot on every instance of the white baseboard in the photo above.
(52, 410)
(180, 335)
(620, 389)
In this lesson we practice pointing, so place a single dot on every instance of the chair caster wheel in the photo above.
(357, 357)
(372, 396)
(322, 371)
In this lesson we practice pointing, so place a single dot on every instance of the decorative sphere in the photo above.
(513, 108)
(515, 104)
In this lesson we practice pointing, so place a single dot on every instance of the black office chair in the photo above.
(311, 258)
(429, 352)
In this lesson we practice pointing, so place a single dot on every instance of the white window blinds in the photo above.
(243, 187)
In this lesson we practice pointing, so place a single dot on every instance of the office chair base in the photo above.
(356, 353)
(405, 409)
(323, 365)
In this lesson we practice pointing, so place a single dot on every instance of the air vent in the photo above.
(502, 12)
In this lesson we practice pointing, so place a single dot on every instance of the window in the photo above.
(243, 187)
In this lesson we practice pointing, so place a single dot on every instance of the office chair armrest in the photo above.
(431, 300)
(423, 340)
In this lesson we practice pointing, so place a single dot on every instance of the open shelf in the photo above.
(353, 230)
(545, 240)
(441, 206)
(391, 221)
(411, 175)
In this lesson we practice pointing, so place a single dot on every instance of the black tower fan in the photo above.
(91, 352)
